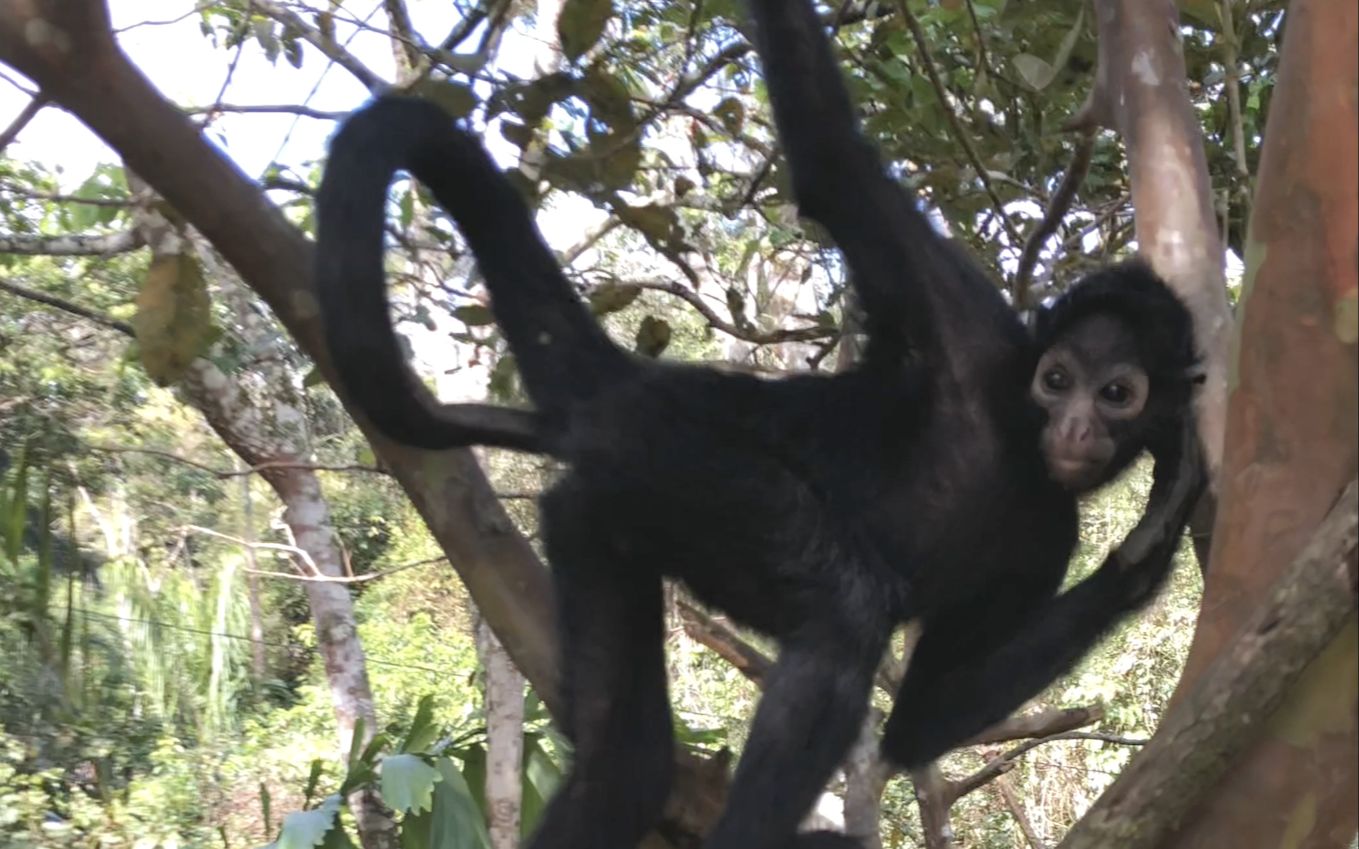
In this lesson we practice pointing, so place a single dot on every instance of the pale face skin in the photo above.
(1090, 383)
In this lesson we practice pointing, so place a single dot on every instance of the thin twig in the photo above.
(233, 473)
(1057, 209)
(67, 306)
(27, 114)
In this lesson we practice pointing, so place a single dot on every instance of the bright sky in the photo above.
(164, 39)
(184, 65)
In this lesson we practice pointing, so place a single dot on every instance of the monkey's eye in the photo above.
(1116, 393)
(1056, 380)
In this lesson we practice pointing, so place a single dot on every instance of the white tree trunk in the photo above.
(504, 739)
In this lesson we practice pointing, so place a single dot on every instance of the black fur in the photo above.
(822, 510)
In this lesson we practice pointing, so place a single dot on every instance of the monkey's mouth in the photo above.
(1075, 473)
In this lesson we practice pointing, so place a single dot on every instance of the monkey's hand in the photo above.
(1142, 560)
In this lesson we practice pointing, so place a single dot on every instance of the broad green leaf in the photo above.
(541, 779)
(423, 730)
(1035, 72)
(173, 323)
(612, 297)
(408, 782)
(458, 822)
(305, 829)
(474, 770)
(580, 24)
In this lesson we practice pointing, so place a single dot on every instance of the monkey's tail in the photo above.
(561, 351)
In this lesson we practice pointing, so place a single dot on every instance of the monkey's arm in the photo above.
(908, 277)
(946, 704)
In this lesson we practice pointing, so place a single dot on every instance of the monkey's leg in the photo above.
(618, 715)
(814, 702)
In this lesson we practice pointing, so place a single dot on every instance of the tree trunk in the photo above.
(1141, 91)
(504, 739)
(1292, 434)
(269, 426)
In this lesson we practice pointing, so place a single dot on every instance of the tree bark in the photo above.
(271, 427)
(1142, 91)
(1217, 719)
(1293, 441)
(504, 739)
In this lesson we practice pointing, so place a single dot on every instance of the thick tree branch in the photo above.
(1204, 732)
(70, 245)
(725, 642)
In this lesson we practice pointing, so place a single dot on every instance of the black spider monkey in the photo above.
(936, 481)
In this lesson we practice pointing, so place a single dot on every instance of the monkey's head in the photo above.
(1115, 373)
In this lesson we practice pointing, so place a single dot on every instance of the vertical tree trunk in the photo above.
(1142, 91)
(258, 660)
(1293, 429)
(265, 424)
(504, 739)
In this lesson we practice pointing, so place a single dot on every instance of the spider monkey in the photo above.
(936, 481)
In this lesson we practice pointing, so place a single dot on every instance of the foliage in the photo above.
(128, 710)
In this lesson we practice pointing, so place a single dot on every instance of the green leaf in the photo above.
(458, 822)
(503, 375)
(653, 336)
(474, 770)
(1035, 72)
(305, 829)
(266, 808)
(407, 208)
(408, 782)
(541, 780)
(312, 779)
(474, 315)
(580, 24)
(611, 297)
(732, 113)
(1038, 74)
(173, 323)
(423, 730)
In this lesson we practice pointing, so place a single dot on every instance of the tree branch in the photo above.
(328, 46)
(1058, 207)
(1198, 741)
(27, 114)
(67, 307)
(70, 245)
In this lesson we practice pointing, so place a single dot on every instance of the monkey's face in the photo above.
(1094, 391)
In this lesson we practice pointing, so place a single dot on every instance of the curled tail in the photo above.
(562, 352)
